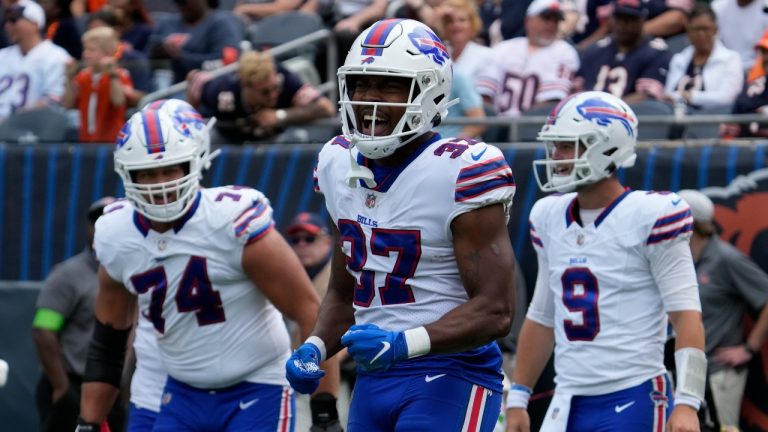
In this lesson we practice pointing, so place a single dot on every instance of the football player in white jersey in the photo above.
(211, 274)
(32, 71)
(614, 267)
(149, 376)
(422, 280)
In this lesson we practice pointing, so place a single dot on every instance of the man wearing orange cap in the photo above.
(753, 99)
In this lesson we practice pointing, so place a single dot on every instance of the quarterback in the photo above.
(614, 268)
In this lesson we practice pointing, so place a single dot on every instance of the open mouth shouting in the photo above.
(373, 124)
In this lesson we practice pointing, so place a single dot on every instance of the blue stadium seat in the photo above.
(45, 124)
(651, 131)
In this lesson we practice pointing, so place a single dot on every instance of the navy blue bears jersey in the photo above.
(642, 70)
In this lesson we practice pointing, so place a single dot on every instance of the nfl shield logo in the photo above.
(370, 200)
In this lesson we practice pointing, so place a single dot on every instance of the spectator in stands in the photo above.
(347, 18)
(666, 17)
(62, 329)
(32, 69)
(730, 284)
(460, 24)
(427, 11)
(197, 37)
(742, 22)
(258, 101)
(530, 71)
(134, 22)
(592, 21)
(132, 60)
(82, 7)
(62, 28)
(626, 64)
(254, 10)
(753, 99)
(101, 90)
(470, 105)
(706, 74)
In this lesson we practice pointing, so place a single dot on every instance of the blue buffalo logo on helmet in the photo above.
(429, 44)
(124, 135)
(603, 113)
(367, 60)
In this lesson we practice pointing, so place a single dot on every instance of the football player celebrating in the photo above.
(422, 280)
(614, 266)
(211, 275)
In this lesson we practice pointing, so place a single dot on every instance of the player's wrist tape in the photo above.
(83, 426)
(691, 365)
(316, 341)
(518, 396)
(106, 354)
(417, 341)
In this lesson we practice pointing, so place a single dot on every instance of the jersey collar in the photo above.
(143, 223)
(386, 176)
(572, 212)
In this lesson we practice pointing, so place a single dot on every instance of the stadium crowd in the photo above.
(512, 58)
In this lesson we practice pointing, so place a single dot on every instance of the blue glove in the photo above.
(303, 369)
(373, 348)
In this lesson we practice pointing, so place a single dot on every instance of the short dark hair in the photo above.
(702, 9)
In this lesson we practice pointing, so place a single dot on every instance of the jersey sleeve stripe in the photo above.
(477, 189)
(248, 216)
(484, 168)
(671, 218)
(315, 181)
(260, 233)
(536, 241)
(669, 235)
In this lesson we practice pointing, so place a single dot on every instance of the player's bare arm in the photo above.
(337, 313)
(274, 268)
(535, 346)
(486, 264)
(115, 312)
(271, 264)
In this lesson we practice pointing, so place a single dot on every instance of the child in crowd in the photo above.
(99, 91)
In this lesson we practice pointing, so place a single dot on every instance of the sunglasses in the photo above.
(14, 14)
(306, 239)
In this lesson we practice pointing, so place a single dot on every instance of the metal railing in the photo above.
(328, 87)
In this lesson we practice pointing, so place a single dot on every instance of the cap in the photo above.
(28, 10)
(312, 223)
(96, 209)
(545, 8)
(630, 7)
(763, 42)
(702, 207)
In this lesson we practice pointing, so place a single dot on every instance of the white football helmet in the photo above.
(189, 120)
(404, 49)
(153, 139)
(603, 124)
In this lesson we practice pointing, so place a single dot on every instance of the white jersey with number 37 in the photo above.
(606, 287)
(214, 328)
(397, 236)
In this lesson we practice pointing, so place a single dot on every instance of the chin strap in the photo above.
(357, 172)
